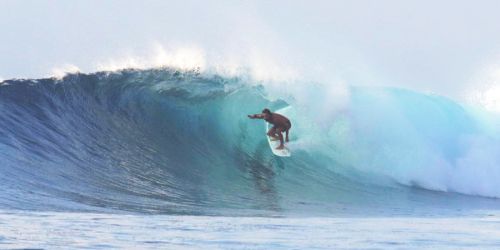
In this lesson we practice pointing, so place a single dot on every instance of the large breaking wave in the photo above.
(164, 141)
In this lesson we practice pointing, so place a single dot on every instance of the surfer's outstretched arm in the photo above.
(256, 116)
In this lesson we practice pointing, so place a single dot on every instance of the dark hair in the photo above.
(266, 111)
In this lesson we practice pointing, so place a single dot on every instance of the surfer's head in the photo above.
(267, 112)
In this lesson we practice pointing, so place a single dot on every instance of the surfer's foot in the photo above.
(281, 147)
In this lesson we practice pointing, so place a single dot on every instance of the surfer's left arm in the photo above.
(256, 116)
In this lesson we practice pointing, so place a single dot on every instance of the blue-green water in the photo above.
(148, 143)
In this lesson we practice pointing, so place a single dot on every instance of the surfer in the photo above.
(280, 124)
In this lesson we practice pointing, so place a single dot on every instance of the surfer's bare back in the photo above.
(280, 124)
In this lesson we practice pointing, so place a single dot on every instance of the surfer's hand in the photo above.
(251, 116)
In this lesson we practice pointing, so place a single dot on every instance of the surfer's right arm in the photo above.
(256, 116)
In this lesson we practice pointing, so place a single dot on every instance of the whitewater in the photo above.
(164, 158)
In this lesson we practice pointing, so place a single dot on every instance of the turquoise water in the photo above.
(126, 156)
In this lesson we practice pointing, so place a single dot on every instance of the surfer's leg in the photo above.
(279, 130)
(288, 129)
(272, 133)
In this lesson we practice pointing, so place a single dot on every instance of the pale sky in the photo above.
(445, 47)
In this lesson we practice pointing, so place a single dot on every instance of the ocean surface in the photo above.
(162, 158)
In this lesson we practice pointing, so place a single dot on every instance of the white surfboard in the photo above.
(273, 144)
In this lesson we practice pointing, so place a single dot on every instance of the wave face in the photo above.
(163, 141)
